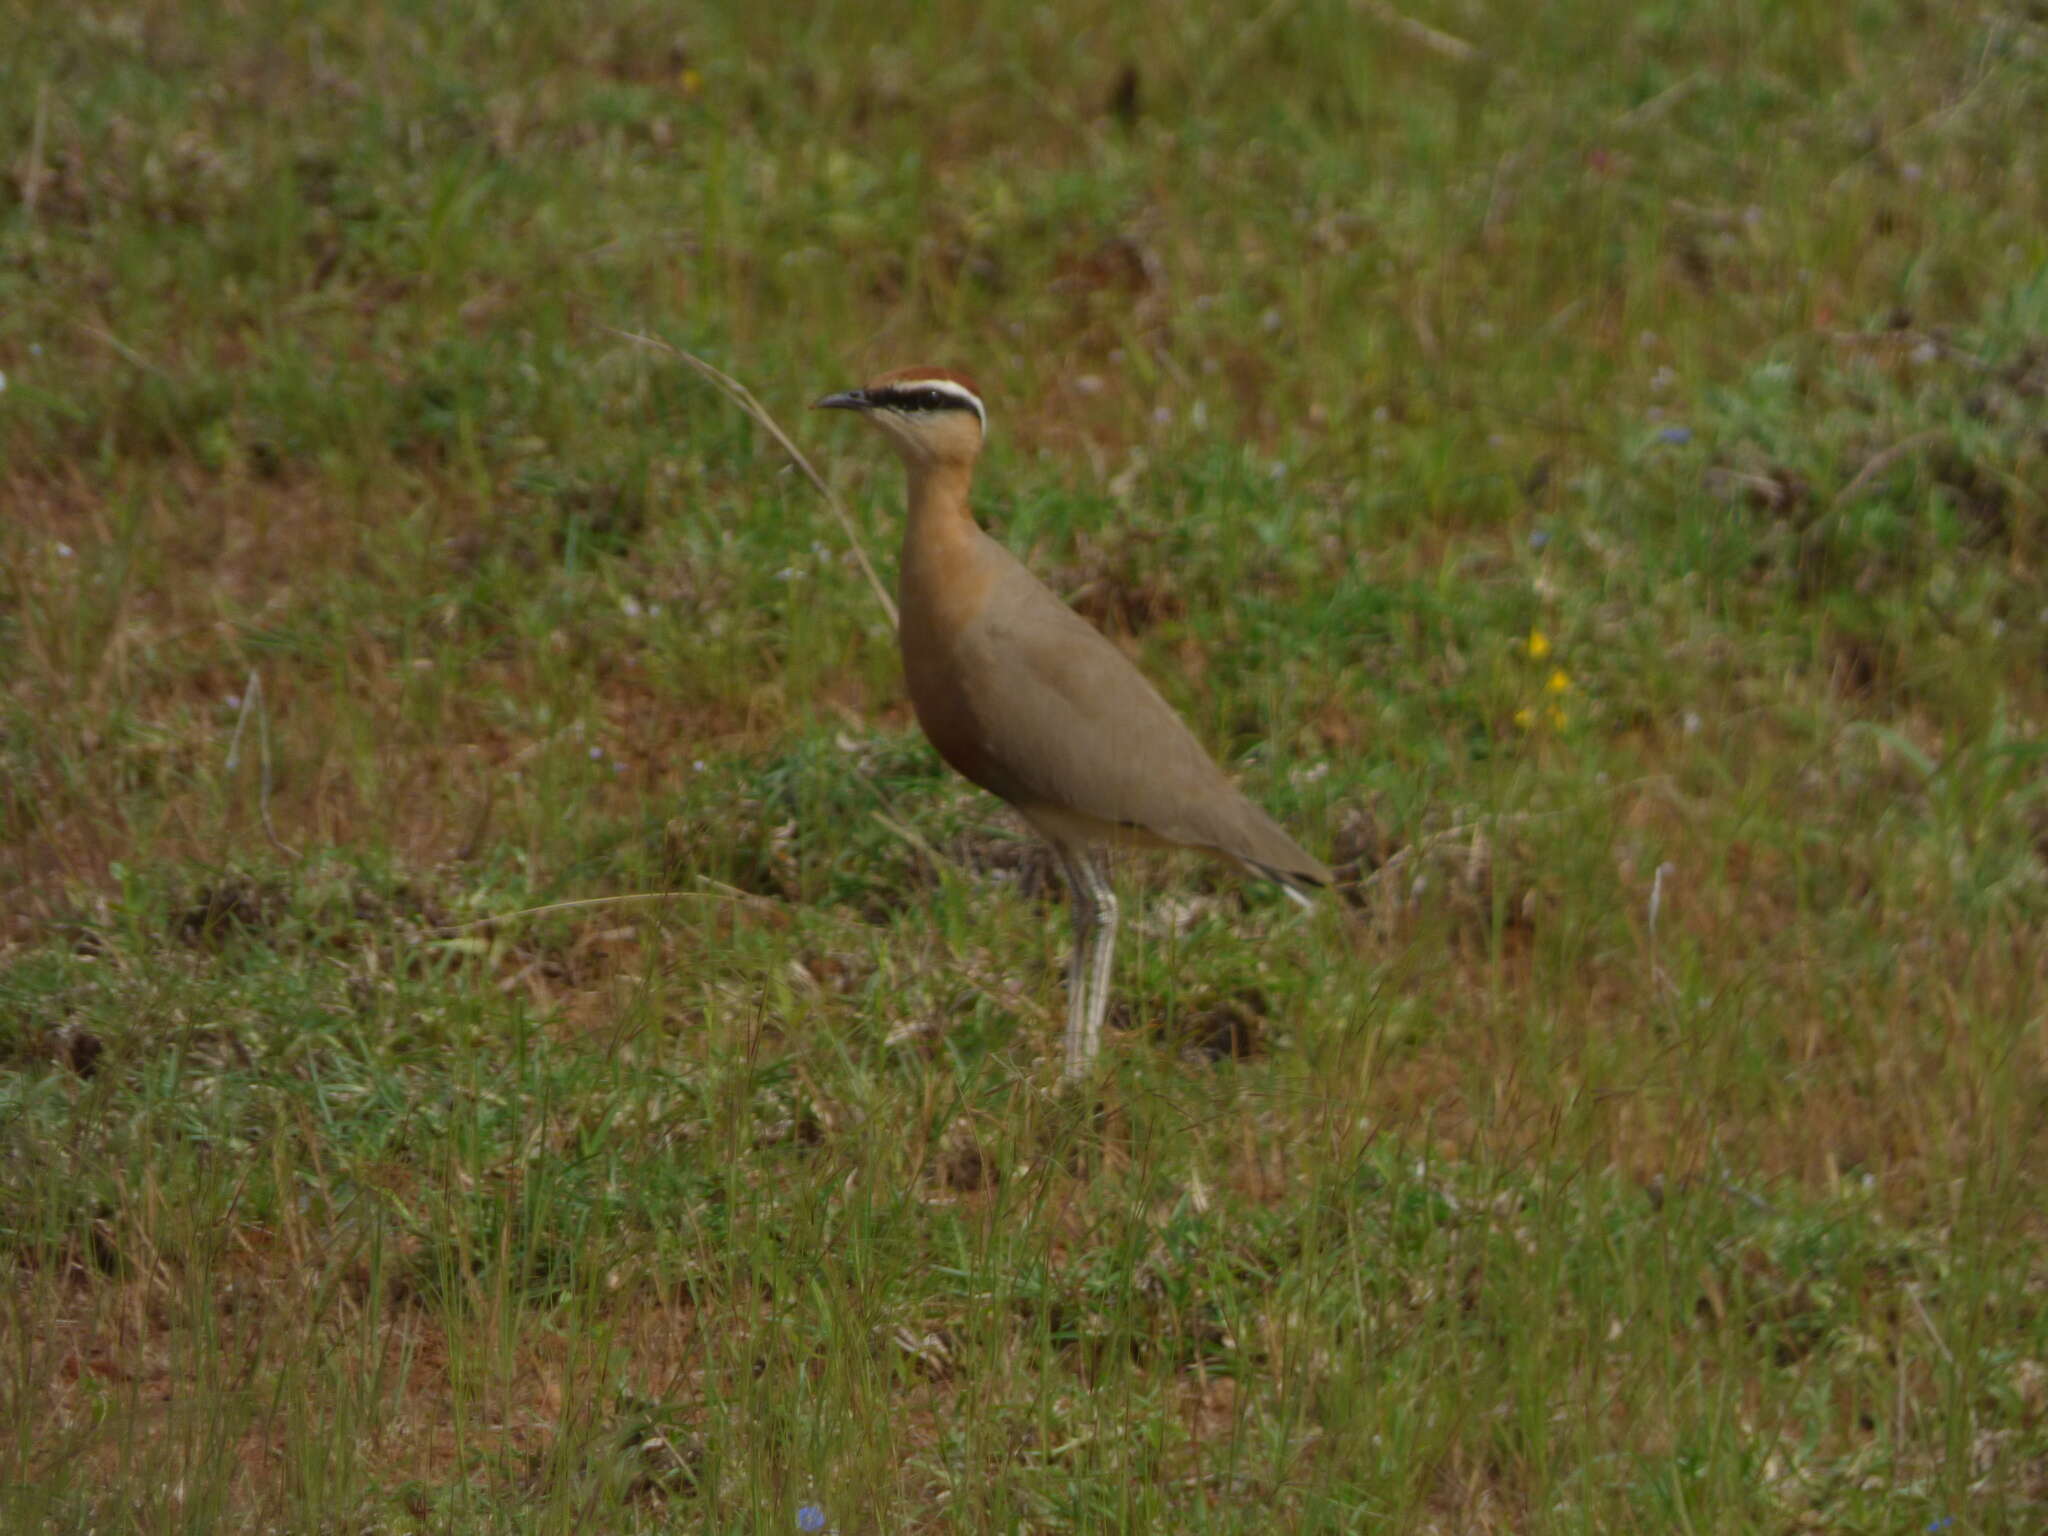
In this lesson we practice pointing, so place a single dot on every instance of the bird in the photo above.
(1024, 697)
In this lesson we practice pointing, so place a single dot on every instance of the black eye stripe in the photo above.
(922, 400)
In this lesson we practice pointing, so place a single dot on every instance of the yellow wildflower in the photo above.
(690, 81)
(1557, 718)
(1539, 645)
(1525, 717)
(1560, 681)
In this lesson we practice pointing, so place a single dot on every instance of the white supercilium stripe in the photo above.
(959, 392)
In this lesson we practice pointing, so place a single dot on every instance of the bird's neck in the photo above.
(942, 575)
(939, 515)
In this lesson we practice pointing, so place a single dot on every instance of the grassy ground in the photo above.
(1596, 490)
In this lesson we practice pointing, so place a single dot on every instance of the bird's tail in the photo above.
(1302, 886)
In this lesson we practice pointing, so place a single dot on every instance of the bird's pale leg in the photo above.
(1095, 916)
(1100, 960)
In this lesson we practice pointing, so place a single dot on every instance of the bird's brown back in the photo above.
(1030, 701)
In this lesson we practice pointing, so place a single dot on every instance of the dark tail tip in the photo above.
(1298, 883)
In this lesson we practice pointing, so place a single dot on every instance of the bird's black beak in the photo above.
(845, 400)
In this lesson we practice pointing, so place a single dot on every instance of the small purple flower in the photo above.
(810, 1517)
(1942, 1524)
(1539, 538)
(1675, 436)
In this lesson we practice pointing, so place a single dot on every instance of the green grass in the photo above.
(1597, 494)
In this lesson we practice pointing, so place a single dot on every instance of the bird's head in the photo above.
(931, 416)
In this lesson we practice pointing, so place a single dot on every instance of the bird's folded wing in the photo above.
(1076, 727)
